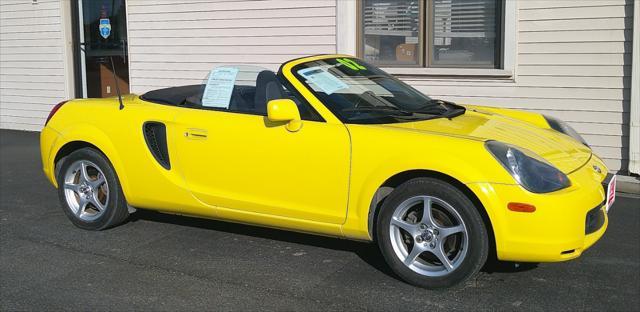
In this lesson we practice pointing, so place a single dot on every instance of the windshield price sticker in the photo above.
(322, 79)
(219, 87)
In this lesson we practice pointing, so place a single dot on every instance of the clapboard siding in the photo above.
(172, 43)
(46, 20)
(186, 44)
(242, 32)
(594, 70)
(591, 41)
(238, 23)
(21, 42)
(13, 78)
(229, 49)
(154, 6)
(246, 14)
(30, 99)
(175, 65)
(573, 62)
(555, 93)
(546, 4)
(576, 24)
(27, 12)
(576, 47)
(562, 36)
(556, 81)
(577, 10)
(31, 62)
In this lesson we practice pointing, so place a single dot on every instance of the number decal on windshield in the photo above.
(351, 64)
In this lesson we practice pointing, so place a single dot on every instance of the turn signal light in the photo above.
(521, 207)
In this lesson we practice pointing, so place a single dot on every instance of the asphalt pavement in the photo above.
(164, 262)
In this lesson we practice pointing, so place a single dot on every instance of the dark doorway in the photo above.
(100, 35)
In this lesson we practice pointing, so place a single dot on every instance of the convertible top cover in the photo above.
(173, 95)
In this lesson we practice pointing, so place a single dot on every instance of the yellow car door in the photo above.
(244, 162)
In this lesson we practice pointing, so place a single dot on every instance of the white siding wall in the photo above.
(573, 62)
(32, 67)
(177, 43)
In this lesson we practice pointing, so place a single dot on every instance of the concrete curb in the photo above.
(628, 184)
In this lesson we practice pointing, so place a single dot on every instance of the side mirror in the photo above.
(285, 110)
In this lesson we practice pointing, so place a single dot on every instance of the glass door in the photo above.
(102, 47)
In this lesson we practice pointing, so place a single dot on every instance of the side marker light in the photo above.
(521, 207)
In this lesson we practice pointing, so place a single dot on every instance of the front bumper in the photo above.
(565, 222)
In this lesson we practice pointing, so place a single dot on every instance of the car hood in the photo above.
(560, 150)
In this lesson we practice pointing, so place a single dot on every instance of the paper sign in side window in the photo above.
(219, 87)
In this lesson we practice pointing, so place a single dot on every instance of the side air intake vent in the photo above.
(155, 134)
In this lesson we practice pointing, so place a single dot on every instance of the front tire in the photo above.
(89, 191)
(431, 234)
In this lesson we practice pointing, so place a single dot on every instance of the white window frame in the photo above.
(346, 43)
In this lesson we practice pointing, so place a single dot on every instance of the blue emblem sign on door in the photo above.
(105, 28)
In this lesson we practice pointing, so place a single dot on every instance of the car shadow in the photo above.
(367, 252)
(495, 266)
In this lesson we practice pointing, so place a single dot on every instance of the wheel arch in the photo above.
(394, 181)
(69, 148)
(87, 136)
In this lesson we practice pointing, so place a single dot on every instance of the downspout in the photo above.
(634, 125)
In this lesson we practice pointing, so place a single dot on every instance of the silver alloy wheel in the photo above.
(86, 190)
(428, 235)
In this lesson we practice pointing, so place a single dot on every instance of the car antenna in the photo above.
(115, 79)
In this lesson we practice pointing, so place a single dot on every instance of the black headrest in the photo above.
(268, 87)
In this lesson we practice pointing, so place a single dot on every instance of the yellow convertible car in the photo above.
(334, 146)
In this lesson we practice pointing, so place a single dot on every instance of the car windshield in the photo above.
(357, 92)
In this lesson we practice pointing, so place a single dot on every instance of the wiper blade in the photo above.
(436, 104)
(382, 109)
(442, 109)
(459, 110)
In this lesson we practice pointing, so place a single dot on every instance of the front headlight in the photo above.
(530, 170)
(563, 127)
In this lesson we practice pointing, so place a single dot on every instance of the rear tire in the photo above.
(431, 235)
(89, 191)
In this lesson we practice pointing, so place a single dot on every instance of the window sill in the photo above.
(451, 72)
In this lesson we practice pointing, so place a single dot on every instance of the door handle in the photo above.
(196, 134)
